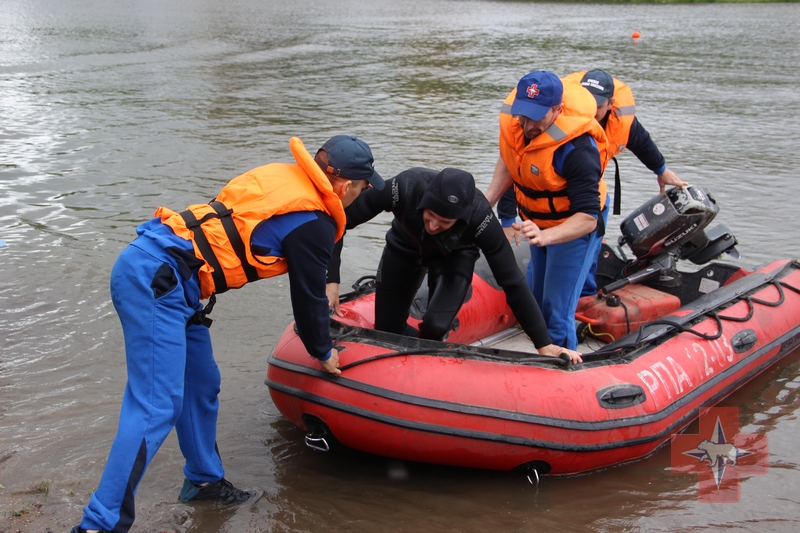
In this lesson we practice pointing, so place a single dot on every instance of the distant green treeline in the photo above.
(667, 1)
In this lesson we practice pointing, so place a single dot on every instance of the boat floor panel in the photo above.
(515, 339)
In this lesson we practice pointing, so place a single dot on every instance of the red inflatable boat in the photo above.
(677, 340)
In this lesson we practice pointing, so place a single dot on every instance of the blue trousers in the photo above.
(556, 275)
(590, 285)
(173, 381)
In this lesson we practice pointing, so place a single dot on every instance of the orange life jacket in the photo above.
(620, 117)
(221, 230)
(542, 193)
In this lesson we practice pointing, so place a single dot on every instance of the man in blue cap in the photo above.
(274, 219)
(616, 114)
(554, 153)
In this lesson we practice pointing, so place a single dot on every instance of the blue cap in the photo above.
(537, 92)
(350, 158)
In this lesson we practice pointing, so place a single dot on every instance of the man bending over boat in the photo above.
(274, 219)
(441, 224)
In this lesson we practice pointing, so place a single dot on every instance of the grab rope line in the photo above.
(341, 335)
(610, 353)
(449, 352)
(784, 284)
(719, 318)
(683, 329)
(563, 360)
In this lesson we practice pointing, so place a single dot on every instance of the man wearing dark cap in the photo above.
(554, 153)
(274, 219)
(441, 224)
(616, 114)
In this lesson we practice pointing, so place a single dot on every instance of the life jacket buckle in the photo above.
(200, 318)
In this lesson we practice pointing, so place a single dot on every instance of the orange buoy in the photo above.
(636, 34)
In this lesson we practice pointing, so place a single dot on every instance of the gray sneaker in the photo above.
(222, 491)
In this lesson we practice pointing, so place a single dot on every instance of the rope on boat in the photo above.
(560, 361)
(795, 289)
(718, 318)
(563, 360)
(451, 352)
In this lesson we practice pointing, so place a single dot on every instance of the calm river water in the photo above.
(109, 108)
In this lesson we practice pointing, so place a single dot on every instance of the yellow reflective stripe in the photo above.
(625, 111)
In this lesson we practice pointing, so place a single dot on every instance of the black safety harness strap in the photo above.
(218, 275)
(235, 239)
(540, 195)
(205, 248)
(532, 215)
(526, 213)
(228, 224)
(617, 188)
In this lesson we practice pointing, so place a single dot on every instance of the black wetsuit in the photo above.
(448, 257)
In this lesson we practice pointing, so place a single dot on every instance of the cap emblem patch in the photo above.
(593, 83)
(452, 199)
(533, 91)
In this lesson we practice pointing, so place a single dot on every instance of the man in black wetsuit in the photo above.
(441, 224)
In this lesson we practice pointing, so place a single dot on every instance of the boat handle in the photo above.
(620, 396)
(744, 340)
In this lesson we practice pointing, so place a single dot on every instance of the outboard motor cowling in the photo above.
(667, 221)
(667, 228)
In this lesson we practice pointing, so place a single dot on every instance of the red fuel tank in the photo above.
(613, 316)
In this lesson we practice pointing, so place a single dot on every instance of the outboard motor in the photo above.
(670, 227)
(666, 221)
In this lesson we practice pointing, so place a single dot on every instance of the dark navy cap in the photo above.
(450, 194)
(350, 158)
(537, 92)
(600, 84)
